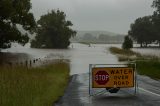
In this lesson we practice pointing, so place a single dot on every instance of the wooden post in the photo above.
(30, 63)
(34, 61)
(26, 63)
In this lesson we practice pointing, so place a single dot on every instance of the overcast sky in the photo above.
(106, 15)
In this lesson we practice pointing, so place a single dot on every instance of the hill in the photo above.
(98, 37)
(95, 33)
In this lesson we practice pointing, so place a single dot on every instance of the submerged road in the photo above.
(77, 93)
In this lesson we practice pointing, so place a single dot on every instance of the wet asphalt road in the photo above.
(77, 94)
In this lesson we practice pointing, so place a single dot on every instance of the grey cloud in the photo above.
(110, 15)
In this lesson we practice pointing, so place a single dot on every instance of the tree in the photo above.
(54, 31)
(156, 4)
(14, 13)
(142, 31)
(156, 19)
(128, 43)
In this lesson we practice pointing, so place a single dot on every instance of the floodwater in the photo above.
(79, 55)
(148, 51)
(152, 50)
(83, 55)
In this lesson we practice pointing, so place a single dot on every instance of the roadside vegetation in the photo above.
(86, 43)
(41, 86)
(150, 68)
(14, 14)
(145, 30)
(146, 64)
(123, 54)
(116, 50)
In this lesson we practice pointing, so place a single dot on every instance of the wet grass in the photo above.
(146, 64)
(124, 55)
(86, 43)
(119, 51)
(150, 68)
(20, 86)
(129, 55)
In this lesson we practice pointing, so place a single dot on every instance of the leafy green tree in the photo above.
(54, 31)
(156, 4)
(142, 31)
(14, 13)
(128, 43)
(156, 19)
(156, 25)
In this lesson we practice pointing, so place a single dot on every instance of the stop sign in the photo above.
(101, 77)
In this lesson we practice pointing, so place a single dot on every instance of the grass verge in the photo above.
(146, 64)
(116, 50)
(124, 55)
(20, 86)
(85, 43)
(150, 68)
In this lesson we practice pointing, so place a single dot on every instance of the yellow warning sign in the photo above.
(112, 77)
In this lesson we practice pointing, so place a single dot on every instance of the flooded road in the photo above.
(83, 55)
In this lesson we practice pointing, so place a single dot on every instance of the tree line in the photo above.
(146, 30)
(100, 38)
(52, 30)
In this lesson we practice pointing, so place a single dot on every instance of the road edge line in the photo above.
(149, 92)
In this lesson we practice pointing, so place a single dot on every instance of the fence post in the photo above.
(26, 63)
(30, 63)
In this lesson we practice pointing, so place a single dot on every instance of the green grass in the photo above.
(41, 86)
(116, 50)
(124, 55)
(146, 64)
(86, 43)
(150, 68)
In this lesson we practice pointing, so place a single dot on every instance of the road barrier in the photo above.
(112, 77)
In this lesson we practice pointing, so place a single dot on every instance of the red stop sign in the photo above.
(101, 77)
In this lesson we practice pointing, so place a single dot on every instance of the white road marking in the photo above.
(149, 92)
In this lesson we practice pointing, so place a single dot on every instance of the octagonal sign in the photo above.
(101, 77)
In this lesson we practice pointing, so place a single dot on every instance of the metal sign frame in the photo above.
(131, 65)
